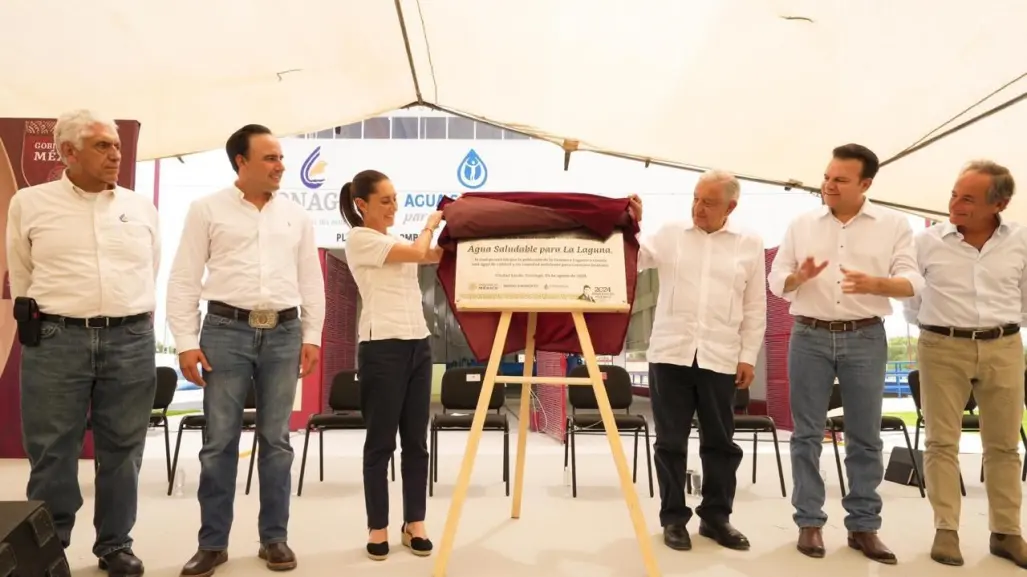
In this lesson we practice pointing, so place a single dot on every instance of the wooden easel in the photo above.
(595, 380)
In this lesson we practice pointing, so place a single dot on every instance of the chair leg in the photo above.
(506, 458)
(916, 434)
(634, 464)
(392, 463)
(962, 487)
(432, 458)
(982, 467)
(574, 467)
(435, 470)
(174, 462)
(167, 448)
(777, 456)
(1023, 437)
(755, 449)
(303, 462)
(321, 454)
(912, 459)
(649, 460)
(838, 461)
(253, 454)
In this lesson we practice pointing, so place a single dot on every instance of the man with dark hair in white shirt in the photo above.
(970, 313)
(265, 311)
(711, 316)
(838, 265)
(87, 251)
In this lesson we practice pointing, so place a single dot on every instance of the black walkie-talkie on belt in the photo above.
(30, 323)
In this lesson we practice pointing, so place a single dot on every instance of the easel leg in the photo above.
(627, 487)
(464, 479)
(523, 416)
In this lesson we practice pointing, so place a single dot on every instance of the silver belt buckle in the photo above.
(263, 319)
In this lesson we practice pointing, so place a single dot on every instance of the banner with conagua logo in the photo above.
(28, 157)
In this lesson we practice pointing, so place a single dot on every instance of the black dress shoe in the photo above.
(203, 563)
(724, 534)
(279, 556)
(121, 563)
(676, 537)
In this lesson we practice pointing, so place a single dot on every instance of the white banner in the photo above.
(566, 268)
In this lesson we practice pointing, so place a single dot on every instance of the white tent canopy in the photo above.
(763, 88)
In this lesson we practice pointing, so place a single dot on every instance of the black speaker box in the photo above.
(29, 546)
(900, 467)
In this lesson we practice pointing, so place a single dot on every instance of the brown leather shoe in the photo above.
(871, 546)
(203, 563)
(811, 542)
(279, 556)
(945, 549)
(1011, 547)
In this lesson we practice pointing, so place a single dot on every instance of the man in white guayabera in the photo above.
(86, 251)
(711, 315)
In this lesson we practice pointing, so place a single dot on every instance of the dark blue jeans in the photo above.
(857, 359)
(240, 358)
(108, 375)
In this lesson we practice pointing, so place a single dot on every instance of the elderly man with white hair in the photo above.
(711, 315)
(86, 251)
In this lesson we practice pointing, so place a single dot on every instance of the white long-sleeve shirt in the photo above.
(712, 305)
(967, 288)
(876, 242)
(263, 259)
(82, 254)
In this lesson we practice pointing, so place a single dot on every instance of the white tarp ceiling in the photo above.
(763, 88)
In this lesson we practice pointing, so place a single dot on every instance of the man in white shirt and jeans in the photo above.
(265, 311)
(970, 312)
(87, 251)
(838, 265)
(711, 316)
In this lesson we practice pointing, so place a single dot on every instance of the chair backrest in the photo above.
(618, 388)
(167, 384)
(345, 392)
(914, 388)
(251, 398)
(461, 388)
(741, 400)
(836, 398)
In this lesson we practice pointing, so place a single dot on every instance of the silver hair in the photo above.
(75, 126)
(1002, 184)
(730, 184)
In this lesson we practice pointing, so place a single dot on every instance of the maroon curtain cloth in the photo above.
(488, 215)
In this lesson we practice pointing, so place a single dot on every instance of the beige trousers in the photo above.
(947, 365)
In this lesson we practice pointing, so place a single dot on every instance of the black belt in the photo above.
(974, 334)
(839, 326)
(95, 322)
(228, 311)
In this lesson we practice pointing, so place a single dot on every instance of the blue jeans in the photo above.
(857, 358)
(108, 375)
(242, 357)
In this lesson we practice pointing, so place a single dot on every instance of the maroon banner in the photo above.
(28, 157)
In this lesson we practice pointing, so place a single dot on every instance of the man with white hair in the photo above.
(711, 315)
(838, 265)
(970, 313)
(86, 251)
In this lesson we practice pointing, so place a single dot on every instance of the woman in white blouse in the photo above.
(394, 360)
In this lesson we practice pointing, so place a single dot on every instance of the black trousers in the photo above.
(677, 394)
(395, 394)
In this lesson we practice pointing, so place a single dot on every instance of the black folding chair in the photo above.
(836, 425)
(344, 403)
(756, 424)
(618, 390)
(461, 388)
(167, 384)
(199, 423)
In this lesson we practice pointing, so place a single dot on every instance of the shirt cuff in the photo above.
(185, 343)
(749, 357)
(312, 338)
(916, 280)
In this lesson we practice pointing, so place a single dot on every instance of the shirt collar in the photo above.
(242, 197)
(68, 185)
(867, 209)
(728, 227)
(948, 228)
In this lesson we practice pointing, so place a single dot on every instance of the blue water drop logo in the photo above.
(472, 172)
